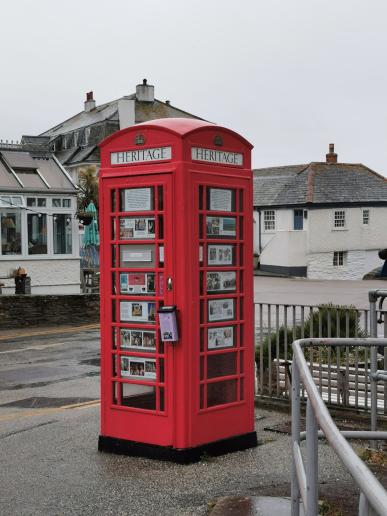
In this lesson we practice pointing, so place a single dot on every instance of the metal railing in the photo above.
(341, 374)
(304, 481)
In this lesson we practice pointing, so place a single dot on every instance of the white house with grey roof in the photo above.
(75, 141)
(322, 220)
(39, 232)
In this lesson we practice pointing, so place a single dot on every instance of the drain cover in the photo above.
(45, 402)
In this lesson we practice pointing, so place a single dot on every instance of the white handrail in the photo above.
(373, 491)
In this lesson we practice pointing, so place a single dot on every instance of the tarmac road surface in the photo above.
(49, 463)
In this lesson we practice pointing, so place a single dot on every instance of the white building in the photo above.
(321, 221)
(39, 231)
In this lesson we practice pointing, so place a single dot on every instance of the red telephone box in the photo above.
(176, 214)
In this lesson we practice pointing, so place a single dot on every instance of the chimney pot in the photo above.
(145, 92)
(168, 102)
(331, 157)
(90, 102)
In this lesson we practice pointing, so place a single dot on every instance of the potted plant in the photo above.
(85, 217)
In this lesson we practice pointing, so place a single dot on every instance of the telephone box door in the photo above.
(136, 367)
(224, 378)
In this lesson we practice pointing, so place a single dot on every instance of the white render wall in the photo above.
(315, 244)
(320, 265)
(57, 276)
(322, 236)
(287, 248)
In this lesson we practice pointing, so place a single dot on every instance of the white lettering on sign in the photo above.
(140, 156)
(216, 156)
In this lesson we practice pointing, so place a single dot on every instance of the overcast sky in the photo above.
(291, 76)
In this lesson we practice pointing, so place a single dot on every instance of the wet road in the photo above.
(49, 463)
(314, 292)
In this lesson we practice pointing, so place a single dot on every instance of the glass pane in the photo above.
(42, 202)
(222, 281)
(240, 200)
(31, 201)
(11, 233)
(220, 199)
(138, 396)
(6, 201)
(113, 200)
(161, 199)
(137, 283)
(139, 312)
(137, 228)
(37, 233)
(56, 203)
(62, 233)
(221, 365)
(66, 203)
(17, 201)
(220, 255)
(162, 399)
(220, 393)
(298, 220)
(137, 256)
(221, 227)
(137, 199)
(221, 337)
(138, 368)
(139, 340)
(221, 309)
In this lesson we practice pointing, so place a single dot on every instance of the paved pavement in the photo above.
(314, 292)
(49, 463)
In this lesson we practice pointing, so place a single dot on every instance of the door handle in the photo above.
(169, 284)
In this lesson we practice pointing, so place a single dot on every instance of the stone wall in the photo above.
(32, 310)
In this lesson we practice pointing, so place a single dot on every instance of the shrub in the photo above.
(314, 322)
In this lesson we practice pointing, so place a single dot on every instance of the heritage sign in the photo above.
(140, 155)
(216, 156)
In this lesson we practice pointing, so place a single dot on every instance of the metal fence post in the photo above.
(374, 365)
(312, 461)
(295, 489)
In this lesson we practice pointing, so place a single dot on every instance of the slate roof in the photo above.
(318, 184)
(144, 111)
(28, 171)
(102, 121)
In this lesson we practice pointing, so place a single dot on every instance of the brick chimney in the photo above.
(90, 102)
(145, 92)
(331, 156)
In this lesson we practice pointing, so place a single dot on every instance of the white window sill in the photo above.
(339, 229)
(16, 257)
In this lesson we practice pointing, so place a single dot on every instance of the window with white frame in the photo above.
(11, 232)
(40, 202)
(339, 219)
(36, 227)
(339, 258)
(269, 220)
(57, 202)
(366, 217)
(37, 233)
(11, 201)
(62, 231)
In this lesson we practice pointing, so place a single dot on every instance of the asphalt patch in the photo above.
(96, 362)
(286, 427)
(42, 402)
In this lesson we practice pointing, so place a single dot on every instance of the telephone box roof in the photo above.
(178, 126)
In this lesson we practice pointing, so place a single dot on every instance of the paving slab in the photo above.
(253, 506)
